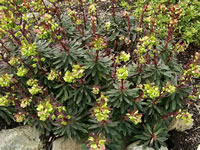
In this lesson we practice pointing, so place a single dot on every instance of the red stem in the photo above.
(93, 27)
(58, 13)
(115, 70)
(23, 33)
(4, 46)
(141, 68)
(122, 85)
(66, 49)
(129, 25)
(142, 17)
(113, 8)
(156, 99)
(169, 36)
(97, 56)
(16, 39)
(84, 15)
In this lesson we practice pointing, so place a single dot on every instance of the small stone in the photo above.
(180, 125)
(66, 144)
(136, 146)
(21, 138)
(198, 147)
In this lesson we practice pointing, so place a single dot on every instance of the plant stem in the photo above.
(97, 56)
(142, 16)
(122, 85)
(84, 15)
(113, 8)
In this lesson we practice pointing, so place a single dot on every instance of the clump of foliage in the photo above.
(80, 71)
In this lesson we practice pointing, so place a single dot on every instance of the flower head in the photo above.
(6, 80)
(122, 73)
(22, 71)
(124, 57)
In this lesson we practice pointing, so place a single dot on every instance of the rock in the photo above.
(180, 125)
(198, 147)
(21, 138)
(135, 146)
(66, 144)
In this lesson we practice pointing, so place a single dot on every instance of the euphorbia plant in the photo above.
(75, 72)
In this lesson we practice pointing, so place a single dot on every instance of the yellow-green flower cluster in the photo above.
(98, 44)
(92, 9)
(71, 13)
(122, 73)
(45, 109)
(95, 90)
(29, 18)
(150, 90)
(64, 119)
(169, 88)
(77, 73)
(45, 33)
(135, 117)
(180, 47)
(6, 80)
(60, 108)
(138, 29)
(101, 111)
(185, 116)
(61, 116)
(107, 25)
(7, 23)
(35, 88)
(97, 142)
(146, 44)
(4, 100)
(124, 57)
(195, 96)
(47, 18)
(38, 6)
(148, 41)
(125, 5)
(53, 75)
(20, 117)
(117, 59)
(22, 71)
(68, 77)
(194, 69)
(14, 61)
(78, 22)
(43, 59)
(42, 33)
(26, 102)
(28, 49)
(52, 1)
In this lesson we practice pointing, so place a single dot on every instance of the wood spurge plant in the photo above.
(99, 70)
